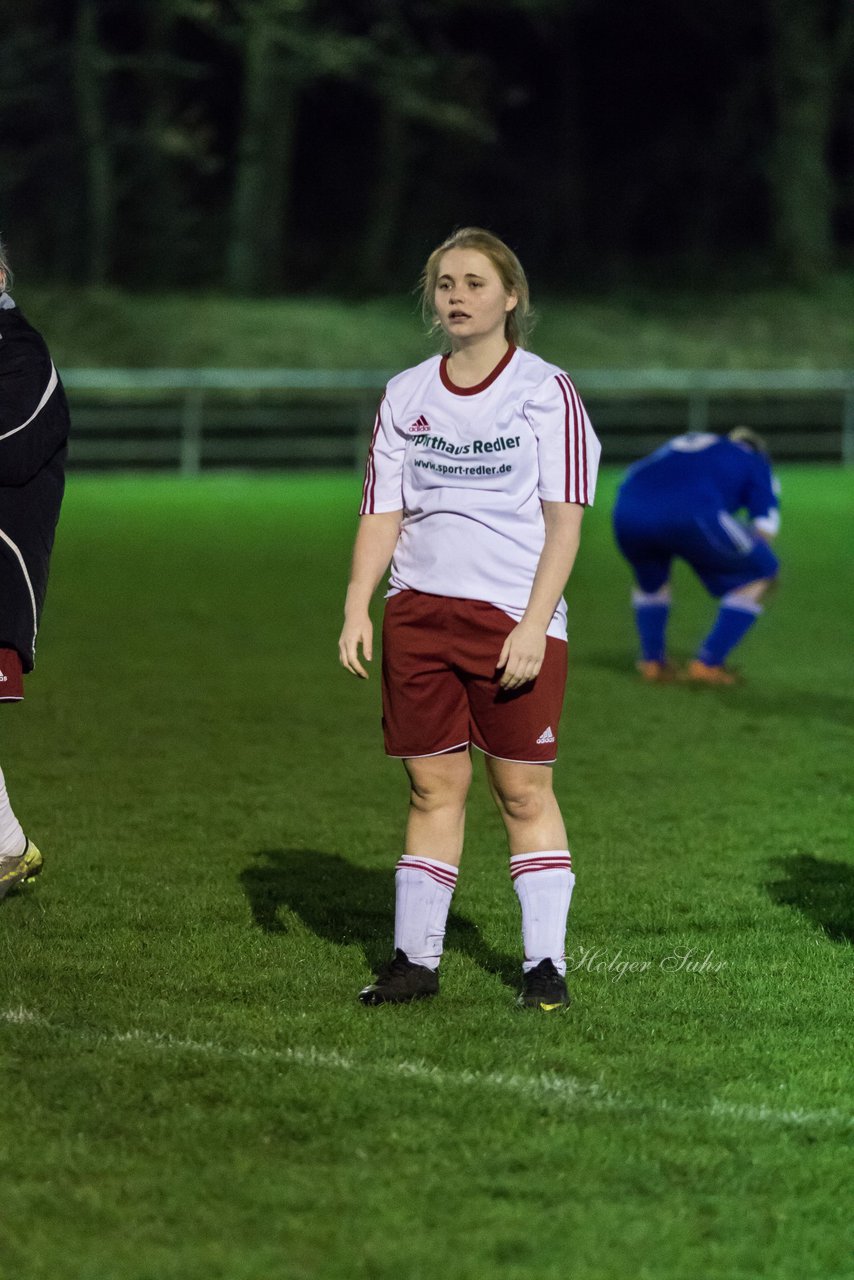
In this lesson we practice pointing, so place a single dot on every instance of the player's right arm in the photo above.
(375, 543)
(762, 499)
(379, 528)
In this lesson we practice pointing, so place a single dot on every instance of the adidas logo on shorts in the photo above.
(545, 736)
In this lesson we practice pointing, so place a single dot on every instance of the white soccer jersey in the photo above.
(469, 467)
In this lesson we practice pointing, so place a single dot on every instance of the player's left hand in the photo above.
(522, 655)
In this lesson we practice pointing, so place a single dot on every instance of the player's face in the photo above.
(470, 299)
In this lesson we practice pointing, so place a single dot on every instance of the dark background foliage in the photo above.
(326, 145)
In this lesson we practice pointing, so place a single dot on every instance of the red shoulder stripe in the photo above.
(566, 468)
(576, 478)
(369, 486)
(581, 478)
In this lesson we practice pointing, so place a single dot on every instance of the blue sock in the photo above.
(651, 615)
(731, 625)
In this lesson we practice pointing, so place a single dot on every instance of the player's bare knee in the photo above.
(523, 801)
(752, 592)
(438, 782)
(522, 792)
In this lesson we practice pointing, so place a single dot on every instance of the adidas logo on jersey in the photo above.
(3, 678)
(545, 736)
(420, 424)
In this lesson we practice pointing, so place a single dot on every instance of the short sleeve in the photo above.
(383, 487)
(567, 447)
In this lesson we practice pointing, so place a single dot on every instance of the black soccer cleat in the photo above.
(399, 981)
(543, 988)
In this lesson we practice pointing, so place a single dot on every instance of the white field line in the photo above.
(579, 1095)
(22, 1016)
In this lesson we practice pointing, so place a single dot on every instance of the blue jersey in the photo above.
(702, 473)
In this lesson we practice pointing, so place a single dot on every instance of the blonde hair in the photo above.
(747, 436)
(5, 269)
(518, 322)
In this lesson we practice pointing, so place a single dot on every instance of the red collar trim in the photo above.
(481, 386)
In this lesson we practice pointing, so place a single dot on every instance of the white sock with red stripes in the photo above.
(13, 842)
(424, 888)
(543, 883)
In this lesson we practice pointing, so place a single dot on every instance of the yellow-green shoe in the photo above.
(15, 871)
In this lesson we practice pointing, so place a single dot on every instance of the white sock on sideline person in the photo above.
(13, 842)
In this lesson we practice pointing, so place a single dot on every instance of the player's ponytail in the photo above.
(518, 322)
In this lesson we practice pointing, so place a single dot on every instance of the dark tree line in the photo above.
(268, 145)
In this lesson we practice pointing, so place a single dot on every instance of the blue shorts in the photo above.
(723, 552)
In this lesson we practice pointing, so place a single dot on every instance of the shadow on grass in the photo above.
(822, 891)
(620, 664)
(346, 904)
(754, 696)
(800, 704)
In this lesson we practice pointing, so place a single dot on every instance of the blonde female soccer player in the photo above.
(481, 464)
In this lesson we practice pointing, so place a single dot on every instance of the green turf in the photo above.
(769, 328)
(190, 1088)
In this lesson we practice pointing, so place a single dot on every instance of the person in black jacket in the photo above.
(33, 441)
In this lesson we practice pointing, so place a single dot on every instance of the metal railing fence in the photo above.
(198, 419)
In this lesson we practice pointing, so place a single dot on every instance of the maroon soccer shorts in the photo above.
(441, 688)
(11, 676)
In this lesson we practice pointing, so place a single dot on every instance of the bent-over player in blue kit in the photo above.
(683, 501)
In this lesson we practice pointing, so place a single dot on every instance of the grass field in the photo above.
(191, 1091)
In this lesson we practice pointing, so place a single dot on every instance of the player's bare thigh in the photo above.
(438, 787)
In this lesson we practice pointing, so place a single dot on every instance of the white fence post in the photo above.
(848, 424)
(191, 432)
(698, 412)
